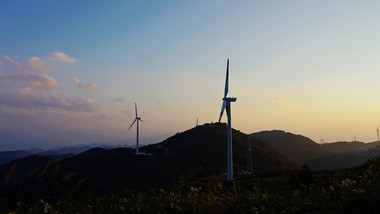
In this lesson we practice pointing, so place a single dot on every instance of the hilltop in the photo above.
(100, 171)
(185, 171)
(302, 150)
(297, 147)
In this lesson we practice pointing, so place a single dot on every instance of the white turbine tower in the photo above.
(227, 105)
(137, 119)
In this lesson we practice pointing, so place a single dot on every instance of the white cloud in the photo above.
(89, 87)
(13, 62)
(59, 56)
(36, 64)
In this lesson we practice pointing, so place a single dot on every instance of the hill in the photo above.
(297, 147)
(302, 150)
(99, 171)
(7, 156)
(343, 146)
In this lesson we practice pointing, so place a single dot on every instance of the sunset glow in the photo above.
(71, 71)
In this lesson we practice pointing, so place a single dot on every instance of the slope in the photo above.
(100, 171)
(343, 147)
(296, 147)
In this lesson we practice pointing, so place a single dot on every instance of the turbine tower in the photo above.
(377, 133)
(249, 159)
(137, 119)
(227, 105)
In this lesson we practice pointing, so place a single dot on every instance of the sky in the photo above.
(71, 71)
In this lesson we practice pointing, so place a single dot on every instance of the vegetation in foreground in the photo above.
(351, 190)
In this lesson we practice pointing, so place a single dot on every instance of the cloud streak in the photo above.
(89, 87)
(59, 56)
(13, 62)
(119, 100)
(32, 80)
(45, 101)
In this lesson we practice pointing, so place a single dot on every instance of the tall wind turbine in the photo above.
(227, 105)
(377, 133)
(137, 119)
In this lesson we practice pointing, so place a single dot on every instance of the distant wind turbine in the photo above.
(227, 105)
(197, 122)
(137, 119)
(377, 133)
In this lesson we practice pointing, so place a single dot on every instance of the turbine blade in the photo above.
(136, 109)
(141, 120)
(221, 112)
(132, 124)
(226, 85)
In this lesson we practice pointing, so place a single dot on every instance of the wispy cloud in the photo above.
(13, 62)
(42, 101)
(25, 91)
(119, 100)
(108, 116)
(59, 56)
(36, 64)
(89, 87)
(32, 80)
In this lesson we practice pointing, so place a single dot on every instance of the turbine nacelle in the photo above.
(230, 99)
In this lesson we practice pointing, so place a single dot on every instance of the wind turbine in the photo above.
(137, 119)
(377, 133)
(227, 105)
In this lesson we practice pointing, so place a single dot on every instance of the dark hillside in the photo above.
(99, 171)
(7, 156)
(297, 147)
(207, 145)
(343, 147)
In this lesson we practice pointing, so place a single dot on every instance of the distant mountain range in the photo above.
(302, 150)
(8, 156)
(297, 148)
(201, 149)
(195, 155)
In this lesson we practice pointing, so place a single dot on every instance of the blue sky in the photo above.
(308, 67)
